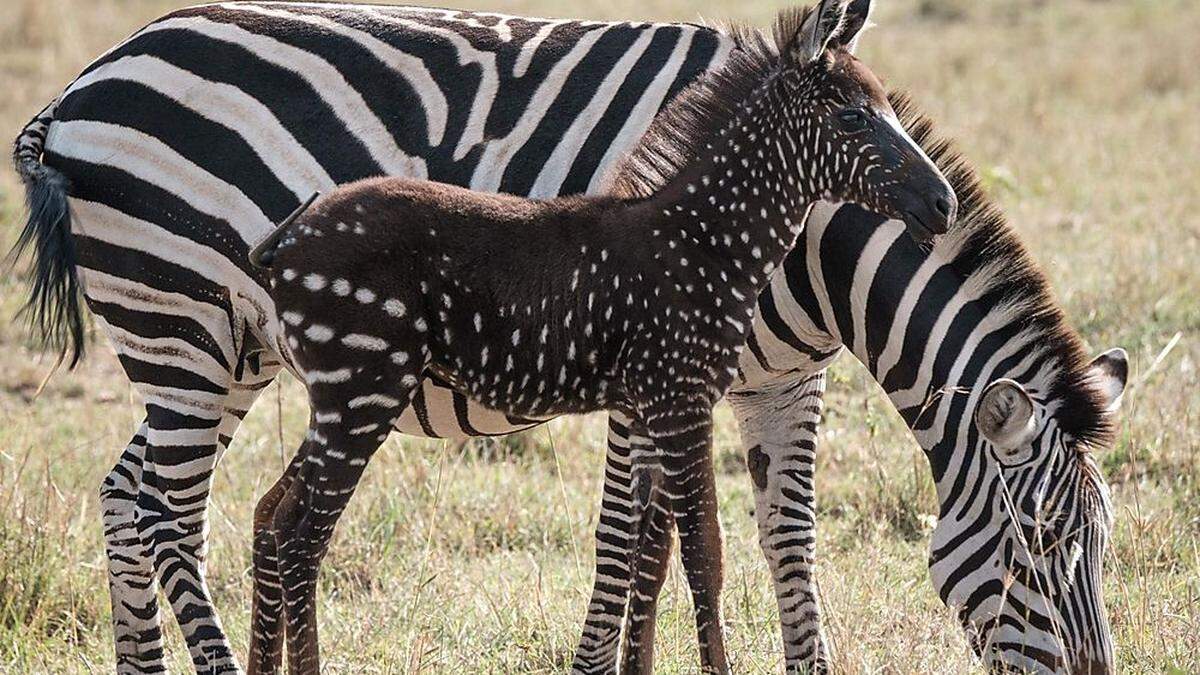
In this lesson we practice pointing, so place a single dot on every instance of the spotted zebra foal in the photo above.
(638, 301)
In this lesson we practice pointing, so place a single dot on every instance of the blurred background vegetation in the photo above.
(1080, 115)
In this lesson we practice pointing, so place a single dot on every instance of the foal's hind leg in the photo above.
(682, 431)
(266, 629)
(335, 455)
(357, 389)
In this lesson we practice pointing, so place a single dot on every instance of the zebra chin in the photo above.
(1023, 640)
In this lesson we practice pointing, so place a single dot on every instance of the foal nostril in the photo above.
(943, 210)
(943, 206)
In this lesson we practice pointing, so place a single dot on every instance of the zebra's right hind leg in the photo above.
(132, 584)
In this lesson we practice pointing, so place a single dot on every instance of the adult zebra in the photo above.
(186, 141)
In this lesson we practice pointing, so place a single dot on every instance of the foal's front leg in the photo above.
(649, 558)
(682, 431)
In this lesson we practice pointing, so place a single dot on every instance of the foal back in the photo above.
(510, 300)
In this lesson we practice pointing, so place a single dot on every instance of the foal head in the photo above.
(792, 120)
(851, 144)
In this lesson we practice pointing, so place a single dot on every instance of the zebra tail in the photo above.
(53, 309)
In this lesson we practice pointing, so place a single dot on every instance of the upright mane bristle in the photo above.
(988, 237)
(704, 107)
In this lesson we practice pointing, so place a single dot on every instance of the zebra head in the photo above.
(1022, 563)
(847, 142)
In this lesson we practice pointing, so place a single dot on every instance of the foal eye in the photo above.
(852, 118)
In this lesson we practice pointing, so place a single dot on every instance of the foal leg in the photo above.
(779, 424)
(682, 431)
(266, 629)
(349, 422)
(650, 558)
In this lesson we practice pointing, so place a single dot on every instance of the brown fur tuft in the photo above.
(705, 106)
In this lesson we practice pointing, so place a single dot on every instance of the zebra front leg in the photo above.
(649, 558)
(779, 424)
(132, 585)
(596, 653)
(682, 431)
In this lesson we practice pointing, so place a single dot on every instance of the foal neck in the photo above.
(739, 204)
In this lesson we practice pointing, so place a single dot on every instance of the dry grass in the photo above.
(1081, 114)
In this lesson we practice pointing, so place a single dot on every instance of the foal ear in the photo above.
(818, 30)
(1005, 417)
(1108, 373)
(857, 21)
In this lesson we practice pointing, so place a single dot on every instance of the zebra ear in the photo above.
(857, 21)
(1006, 418)
(818, 30)
(1108, 373)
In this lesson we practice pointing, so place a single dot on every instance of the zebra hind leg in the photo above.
(779, 424)
(596, 653)
(185, 438)
(132, 585)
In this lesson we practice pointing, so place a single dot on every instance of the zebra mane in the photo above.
(985, 237)
(704, 107)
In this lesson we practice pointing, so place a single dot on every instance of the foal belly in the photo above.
(533, 393)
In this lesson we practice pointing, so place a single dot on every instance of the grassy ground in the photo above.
(1081, 114)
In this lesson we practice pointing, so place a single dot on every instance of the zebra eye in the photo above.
(852, 119)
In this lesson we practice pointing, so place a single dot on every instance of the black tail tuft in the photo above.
(53, 309)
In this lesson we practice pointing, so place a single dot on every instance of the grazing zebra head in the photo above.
(978, 358)
(1044, 610)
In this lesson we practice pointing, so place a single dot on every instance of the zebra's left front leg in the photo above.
(779, 422)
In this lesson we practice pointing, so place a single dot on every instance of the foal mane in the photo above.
(704, 107)
(983, 237)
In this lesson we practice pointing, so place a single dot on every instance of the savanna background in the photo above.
(1081, 117)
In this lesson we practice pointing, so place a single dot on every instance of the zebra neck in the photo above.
(932, 336)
